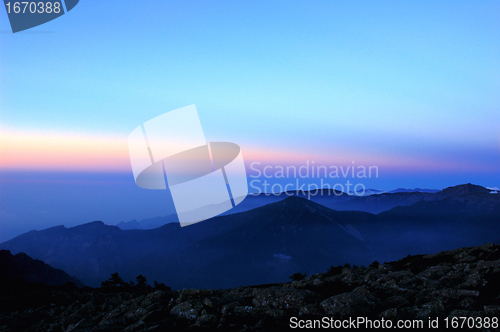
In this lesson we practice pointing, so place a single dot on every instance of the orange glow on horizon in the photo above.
(23, 150)
(57, 151)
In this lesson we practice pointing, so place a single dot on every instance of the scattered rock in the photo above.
(458, 283)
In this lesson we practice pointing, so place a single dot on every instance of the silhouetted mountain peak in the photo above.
(295, 200)
(296, 214)
(294, 206)
(94, 225)
(299, 201)
(464, 189)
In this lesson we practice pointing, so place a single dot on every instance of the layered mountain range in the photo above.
(269, 243)
(373, 201)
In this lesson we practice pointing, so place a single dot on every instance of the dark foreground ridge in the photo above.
(21, 268)
(459, 283)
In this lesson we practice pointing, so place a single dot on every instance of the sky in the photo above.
(410, 87)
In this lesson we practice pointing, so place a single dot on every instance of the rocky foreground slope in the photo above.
(463, 283)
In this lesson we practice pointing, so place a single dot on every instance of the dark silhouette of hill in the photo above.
(23, 267)
(451, 284)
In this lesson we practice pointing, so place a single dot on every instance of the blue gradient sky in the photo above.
(410, 86)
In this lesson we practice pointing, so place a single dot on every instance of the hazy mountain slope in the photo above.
(93, 251)
(384, 202)
(173, 255)
(276, 241)
(465, 215)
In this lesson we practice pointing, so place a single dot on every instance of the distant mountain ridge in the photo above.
(403, 190)
(268, 243)
(148, 223)
(253, 201)
(387, 201)
(334, 199)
